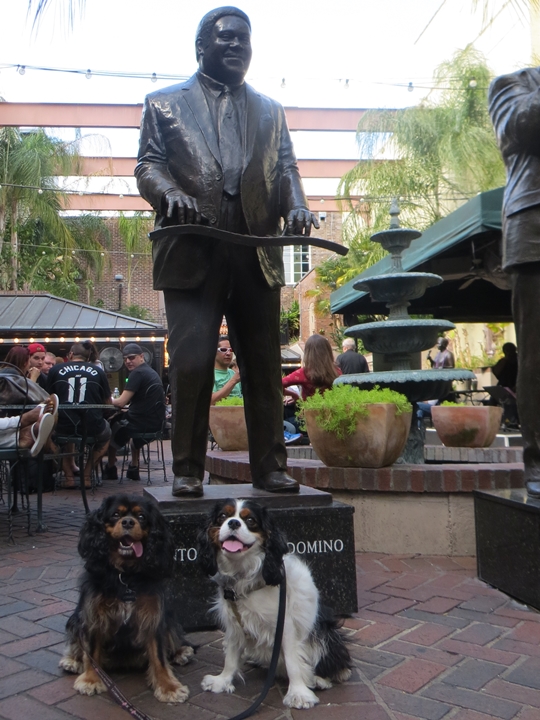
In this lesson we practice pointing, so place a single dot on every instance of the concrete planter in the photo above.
(228, 426)
(467, 425)
(378, 441)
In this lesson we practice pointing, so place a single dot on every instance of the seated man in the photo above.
(146, 413)
(226, 380)
(79, 381)
(36, 353)
(30, 430)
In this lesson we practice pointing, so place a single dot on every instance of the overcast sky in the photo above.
(315, 46)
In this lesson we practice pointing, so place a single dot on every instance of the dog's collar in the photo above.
(128, 594)
(227, 583)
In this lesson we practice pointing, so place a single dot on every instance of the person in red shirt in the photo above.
(319, 369)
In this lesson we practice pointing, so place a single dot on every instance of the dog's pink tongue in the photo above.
(233, 545)
(137, 548)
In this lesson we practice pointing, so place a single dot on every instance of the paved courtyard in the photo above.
(429, 640)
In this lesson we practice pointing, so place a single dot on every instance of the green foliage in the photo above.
(40, 249)
(137, 311)
(230, 402)
(447, 403)
(433, 157)
(291, 317)
(340, 408)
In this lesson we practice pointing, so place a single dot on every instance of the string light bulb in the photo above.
(40, 191)
(21, 69)
(472, 83)
(346, 85)
(283, 82)
(410, 87)
(154, 77)
(88, 75)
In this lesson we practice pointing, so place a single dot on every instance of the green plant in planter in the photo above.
(230, 402)
(340, 408)
(447, 403)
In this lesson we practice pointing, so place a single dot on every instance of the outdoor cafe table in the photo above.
(83, 407)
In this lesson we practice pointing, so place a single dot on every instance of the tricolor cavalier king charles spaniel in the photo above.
(123, 619)
(242, 548)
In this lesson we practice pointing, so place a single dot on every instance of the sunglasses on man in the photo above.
(224, 350)
(131, 358)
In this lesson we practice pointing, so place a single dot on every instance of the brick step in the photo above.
(233, 467)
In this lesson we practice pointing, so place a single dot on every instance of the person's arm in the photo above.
(123, 400)
(226, 390)
(106, 390)
(33, 374)
(294, 378)
(498, 368)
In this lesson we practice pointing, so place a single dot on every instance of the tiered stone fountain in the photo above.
(399, 335)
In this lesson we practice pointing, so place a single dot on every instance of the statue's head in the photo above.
(223, 44)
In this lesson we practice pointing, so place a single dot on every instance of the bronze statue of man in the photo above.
(514, 105)
(215, 151)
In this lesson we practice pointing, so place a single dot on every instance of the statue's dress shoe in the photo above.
(277, 481)
(186, 486)
(533, 488)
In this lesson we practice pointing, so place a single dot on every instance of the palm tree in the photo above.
(29, 162)
(42, 243)
(70, 9)
(434, 157)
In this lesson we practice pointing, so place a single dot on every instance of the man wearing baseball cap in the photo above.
(146, 413)
(37, 356)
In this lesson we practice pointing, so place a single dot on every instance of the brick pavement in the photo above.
(429, 640)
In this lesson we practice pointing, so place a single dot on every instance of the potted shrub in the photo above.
(349, 427)
(460, 425)
(228, 424)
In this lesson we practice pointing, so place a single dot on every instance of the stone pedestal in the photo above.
(507, 533)
(318, 530)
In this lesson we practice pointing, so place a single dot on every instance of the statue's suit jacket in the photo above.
(179, 149)
(514, 106)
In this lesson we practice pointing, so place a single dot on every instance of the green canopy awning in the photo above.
(445, 248)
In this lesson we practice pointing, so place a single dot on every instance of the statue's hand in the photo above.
(300, 220)
(182, 208)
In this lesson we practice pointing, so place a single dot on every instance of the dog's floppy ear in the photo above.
(206, 549)
(275, 549)
(93, 544)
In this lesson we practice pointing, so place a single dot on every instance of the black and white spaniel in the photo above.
(242, 548)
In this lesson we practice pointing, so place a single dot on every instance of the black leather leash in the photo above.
(128, 706)
(275, 651)
(249, 240)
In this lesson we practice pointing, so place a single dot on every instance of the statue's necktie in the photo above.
(230, 143)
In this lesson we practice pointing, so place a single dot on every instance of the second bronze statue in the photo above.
(215, 151)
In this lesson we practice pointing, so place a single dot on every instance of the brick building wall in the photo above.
(108, 290)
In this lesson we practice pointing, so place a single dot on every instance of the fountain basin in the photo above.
(399, 336)
(416, 385)
(395, 240)
(398, 287)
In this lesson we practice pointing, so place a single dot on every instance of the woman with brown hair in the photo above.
(318, 372)
(20, 357)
